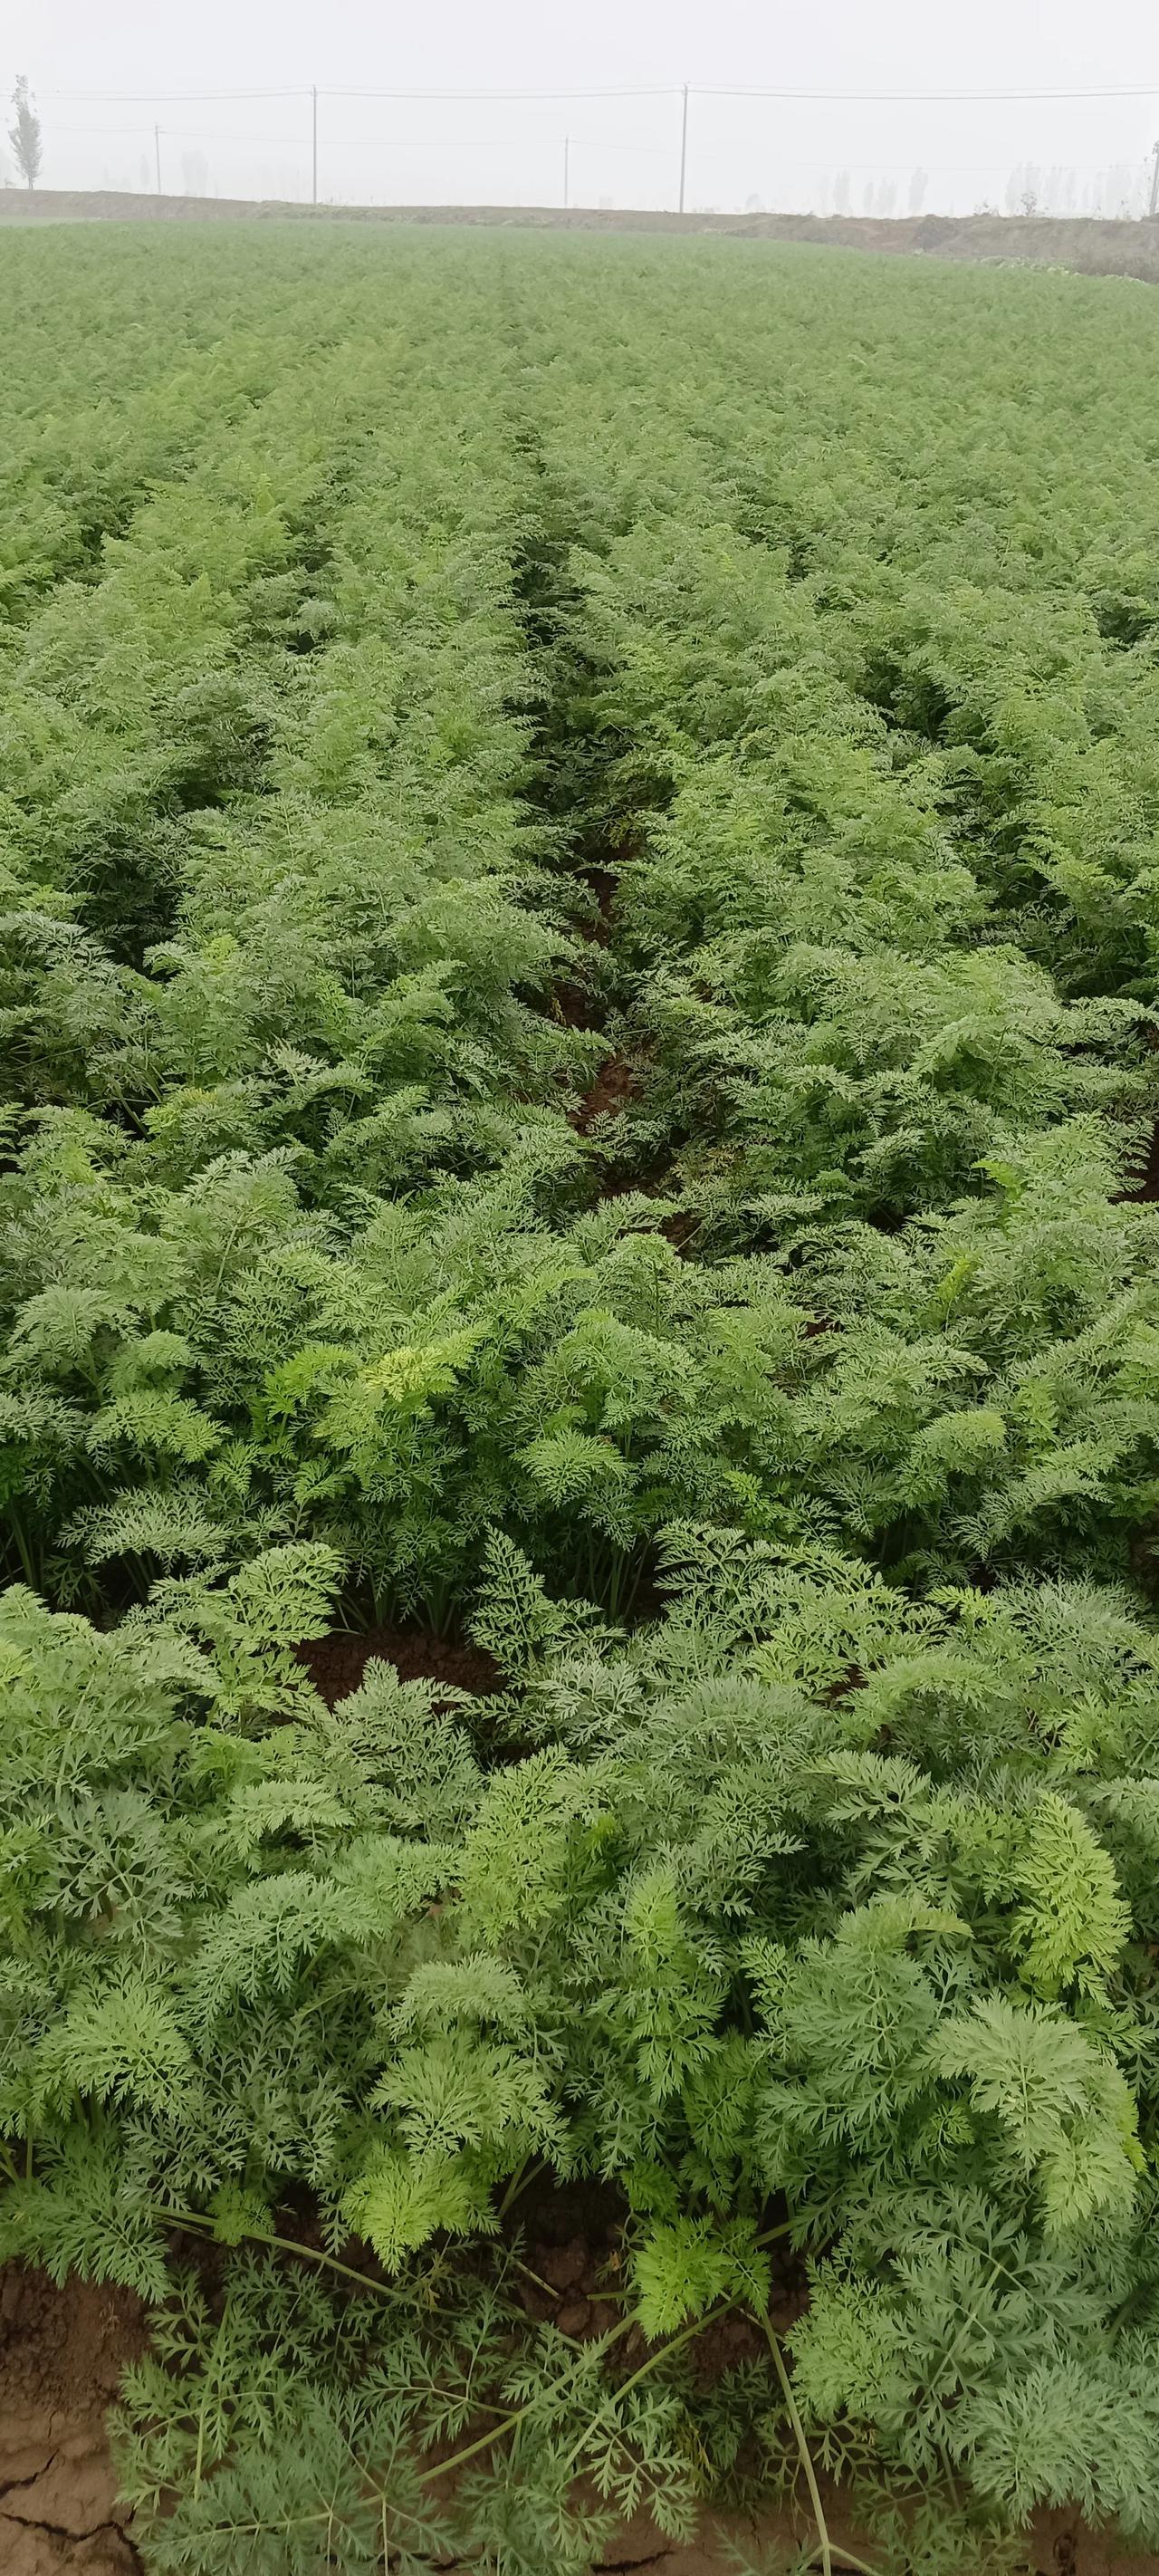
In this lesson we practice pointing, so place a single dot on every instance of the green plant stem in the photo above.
(525, 2174)
(673, 2343)
(23, 1549)
(459, 2459)
(189, 2224)
(548, 2286)
(774, 2342)
(687, 2334)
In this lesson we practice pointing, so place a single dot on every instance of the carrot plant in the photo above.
(577, 974)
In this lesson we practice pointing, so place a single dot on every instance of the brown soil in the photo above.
(578, 1005)
(615, 1083)
(681, 1230)
(1119, 247)
(602, 883)
(614, 1086)
(1056, 2545)
(568, 2236)
(62, 2352)
(337, 1663)
(1148, 1190)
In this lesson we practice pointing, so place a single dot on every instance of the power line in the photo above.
(486, 143)
(184, 134)
(203, 134)
(926, 97)
(682, 93)
(197, 98)
(503, 96)
(670, 89)
(604, 143)
(477, 143)
(164, 97)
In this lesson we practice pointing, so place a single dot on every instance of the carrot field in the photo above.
(579, 1401)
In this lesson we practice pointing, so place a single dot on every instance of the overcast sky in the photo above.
(783, 153)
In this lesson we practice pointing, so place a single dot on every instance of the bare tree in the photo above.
(24, 136)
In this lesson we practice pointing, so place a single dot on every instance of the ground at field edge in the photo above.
(1119, 246)
(62, 2352)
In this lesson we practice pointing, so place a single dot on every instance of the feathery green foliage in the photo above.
(577, 979)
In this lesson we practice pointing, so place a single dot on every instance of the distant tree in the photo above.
(886, 197)
(24, 136)
(194, 174)
(841, 193)
(918, 189)
(867, 198)
(1014, 187)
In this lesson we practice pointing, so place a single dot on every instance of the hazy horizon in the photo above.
(101, 88)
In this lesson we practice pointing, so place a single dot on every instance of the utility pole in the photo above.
(566, 153)
(683, 146)
(314, 96)
(157, 154)
(1153, 208)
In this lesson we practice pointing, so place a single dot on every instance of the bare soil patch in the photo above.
(62, 2352)
(615, 1086)
(1146, 1175)
(336, 1664)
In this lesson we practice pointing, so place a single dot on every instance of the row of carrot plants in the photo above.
(787, 1437)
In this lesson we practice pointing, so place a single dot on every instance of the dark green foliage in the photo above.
(416, 692)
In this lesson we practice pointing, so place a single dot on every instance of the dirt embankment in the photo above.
(1117, 248)
(61, 2357)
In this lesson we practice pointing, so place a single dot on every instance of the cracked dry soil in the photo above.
(62, 2352)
